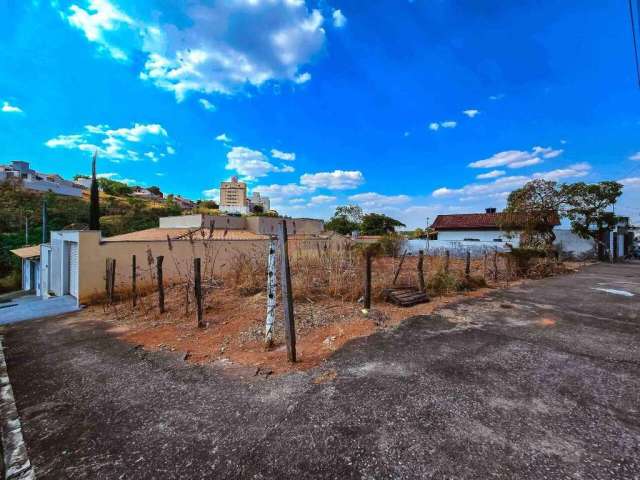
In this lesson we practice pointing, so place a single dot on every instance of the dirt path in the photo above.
(540, 381)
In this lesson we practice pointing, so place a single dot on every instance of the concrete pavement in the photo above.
(539, 381)
(30, 307)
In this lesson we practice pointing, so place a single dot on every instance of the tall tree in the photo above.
(94, 205)
(588, 207)
(378, 224)
(353, 213)
(534, 210)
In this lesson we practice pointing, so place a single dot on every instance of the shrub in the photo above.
(392, 244)
(523, 257)
(443, 283)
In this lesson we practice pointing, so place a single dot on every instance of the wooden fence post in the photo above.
(112, 280)
(159, 261)
(495, 265)
(367, 279)
(134, 274)
(421, 284)
(484, 266)
(197, 287)
(446, 261)
(271, 292)
(107, 278)
(467, 265)
(395, 276)
(287, 294)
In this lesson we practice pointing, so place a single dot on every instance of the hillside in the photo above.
(19, 207)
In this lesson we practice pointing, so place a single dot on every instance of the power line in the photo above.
(635, 42)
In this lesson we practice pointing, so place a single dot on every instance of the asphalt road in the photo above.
(540, 381)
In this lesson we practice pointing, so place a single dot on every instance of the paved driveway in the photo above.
(30, 307)
(541, 381)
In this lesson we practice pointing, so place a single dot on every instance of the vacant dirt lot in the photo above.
(539, 381)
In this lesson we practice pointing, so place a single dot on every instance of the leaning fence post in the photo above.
(446, 261)
(484, 266)
(421, 271)
(271, 292)
(367, 279)
(160, 283)
(287, 296)
(467, 265)
(495, 265)
(112, 280)
(107, 278)
(197, 287)
(395, 276)
(134, 274)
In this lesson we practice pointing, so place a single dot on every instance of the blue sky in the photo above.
(412, 108)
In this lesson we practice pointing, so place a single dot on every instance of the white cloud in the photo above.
(302, 78)
(321, 199)
(471, 113)
(207, 105)
(252, 164)
(149, 140)
(491, 174)
(8, 108)
(297, 200)
(376, 200)
(223, 137)
(339, 20)
(98, 22)
(499, 96)
(630, 181)
(517, 158)
(280, 191)
(503, 185)
(107, 175)
(217, 46)
(283, 155)
(170, 150)
(212, 194)
(336, 180)
(435, 126)
(635, 156)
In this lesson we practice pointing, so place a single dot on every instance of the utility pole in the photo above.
(44, 220)
(26, 229)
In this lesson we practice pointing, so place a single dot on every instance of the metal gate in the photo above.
(73, 269)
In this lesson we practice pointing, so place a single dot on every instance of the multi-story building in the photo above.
(43, 182)
(258, 200)
(233, 196)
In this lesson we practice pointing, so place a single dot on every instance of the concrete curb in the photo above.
(14, 450)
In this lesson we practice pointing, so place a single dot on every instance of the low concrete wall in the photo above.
(300, 226)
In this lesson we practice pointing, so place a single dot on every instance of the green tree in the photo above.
(155, 190)
(353, 213)
(378, 224)
(588, 207)
(534, 209)
(113, 187)
(341, 224)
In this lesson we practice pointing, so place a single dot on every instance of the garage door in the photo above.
(73, 269)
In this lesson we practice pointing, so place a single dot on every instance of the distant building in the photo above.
(43, 182)
(258, 200)
(141, 192)
(84, 182)
(473, 227)
(183, 203)
(233, 196)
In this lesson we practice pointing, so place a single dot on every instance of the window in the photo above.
(498, 240)
(471, 240)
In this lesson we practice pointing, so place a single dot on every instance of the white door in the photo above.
(73, 269)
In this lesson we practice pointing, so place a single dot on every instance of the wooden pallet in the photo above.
(405, 296)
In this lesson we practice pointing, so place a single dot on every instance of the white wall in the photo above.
(571, 243)
(481, 235)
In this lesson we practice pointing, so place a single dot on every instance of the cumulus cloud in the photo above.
(322, 199)
(218, 46)
(491, 174)
(339, 20)
(471, 112)
(212, 194)
(283, 155)
(503, 185)
(435, 126)
(207, 105)
(517, 158)
(376, 200)
(630, 181)
(8, 108)
(223, 137)
(336, 180)
(635, 156)
(278, 192)
(126, 143)
(499, 96)
(252, 164)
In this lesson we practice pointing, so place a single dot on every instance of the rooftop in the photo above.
(473, 221)
(27, 252)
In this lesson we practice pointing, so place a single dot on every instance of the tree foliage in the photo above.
(588, 204)
(378, 224)
(353, 213)
(113, 187)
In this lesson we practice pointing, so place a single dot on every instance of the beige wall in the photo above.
(216, 257)
(300, 226)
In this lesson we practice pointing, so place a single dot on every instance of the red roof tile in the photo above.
(471, 221)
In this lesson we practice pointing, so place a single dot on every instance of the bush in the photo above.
(392, 244)
(10, 283)
(523, 257)
(443, 283)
